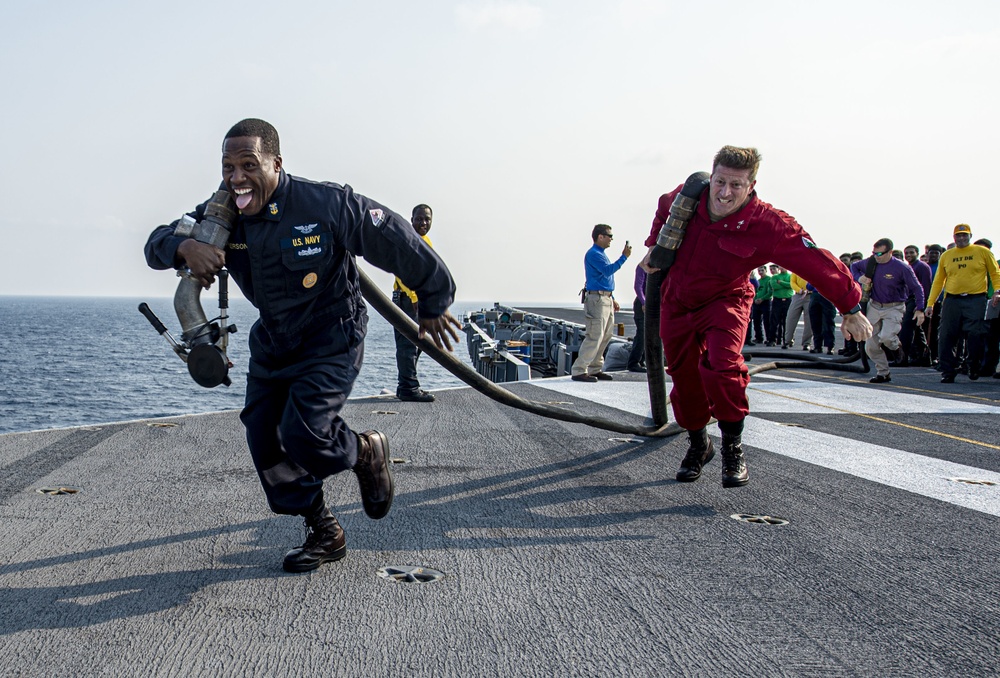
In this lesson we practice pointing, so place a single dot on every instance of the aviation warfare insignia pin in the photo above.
(309, 280)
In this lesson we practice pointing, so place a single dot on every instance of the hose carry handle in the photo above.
(153, 320)
(181, 351)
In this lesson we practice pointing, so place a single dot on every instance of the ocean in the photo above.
(76, 361)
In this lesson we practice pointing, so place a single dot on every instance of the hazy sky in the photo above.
(522, 123)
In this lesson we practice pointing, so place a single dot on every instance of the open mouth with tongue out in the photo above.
(243, 197)
(251, 174)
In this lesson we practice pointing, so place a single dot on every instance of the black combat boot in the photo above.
(699, 453)
(734, 466)
(374, 474)
(325, 543)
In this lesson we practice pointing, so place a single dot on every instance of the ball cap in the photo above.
(962, 228)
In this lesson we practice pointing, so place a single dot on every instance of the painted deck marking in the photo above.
(895, 387)
(880, 419)
(925, 476)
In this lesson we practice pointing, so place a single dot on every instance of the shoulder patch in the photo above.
(808, 243)
(377, 217)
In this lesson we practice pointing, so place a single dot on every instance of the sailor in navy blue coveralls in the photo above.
(293, 258)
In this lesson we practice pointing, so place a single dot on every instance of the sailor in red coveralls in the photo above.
(706, 299)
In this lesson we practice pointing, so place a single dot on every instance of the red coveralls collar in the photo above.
(739, 220)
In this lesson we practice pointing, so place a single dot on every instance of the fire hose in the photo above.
(203, 342)
(657, 377)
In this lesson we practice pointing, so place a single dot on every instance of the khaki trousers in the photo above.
(600, 319)
(886, 320)
(799, 307)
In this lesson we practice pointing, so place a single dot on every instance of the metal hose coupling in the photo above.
(203, 343)
(207, 342)
(214, 229)
(672, 232)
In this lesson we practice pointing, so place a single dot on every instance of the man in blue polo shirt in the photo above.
(599, 305)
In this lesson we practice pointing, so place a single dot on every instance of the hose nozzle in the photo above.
(203, 342)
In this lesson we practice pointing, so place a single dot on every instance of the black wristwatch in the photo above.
(856, 309)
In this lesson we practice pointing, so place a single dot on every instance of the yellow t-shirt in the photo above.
(398, 285)
(964, 271)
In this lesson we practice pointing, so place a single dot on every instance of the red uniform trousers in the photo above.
(703, 352)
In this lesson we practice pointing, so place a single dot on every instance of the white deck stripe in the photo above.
(766, 396)
(908, 471)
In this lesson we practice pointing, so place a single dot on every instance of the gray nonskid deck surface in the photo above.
(567, 550)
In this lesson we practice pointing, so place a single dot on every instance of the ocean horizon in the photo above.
(78, 361)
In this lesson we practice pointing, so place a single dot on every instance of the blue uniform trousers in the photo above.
(294, 429)
(406, 351)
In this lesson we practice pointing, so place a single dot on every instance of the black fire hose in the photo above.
(842, 364)
(656, 375)
(214, 229)
(661, 257)
(388, 310)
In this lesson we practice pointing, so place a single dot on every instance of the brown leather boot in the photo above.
(734, 466)
(374, 473)
(699, 453)
(324, 543)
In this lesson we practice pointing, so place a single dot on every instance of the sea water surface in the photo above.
(74, 361)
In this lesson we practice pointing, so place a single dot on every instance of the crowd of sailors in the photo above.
(973, 346)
